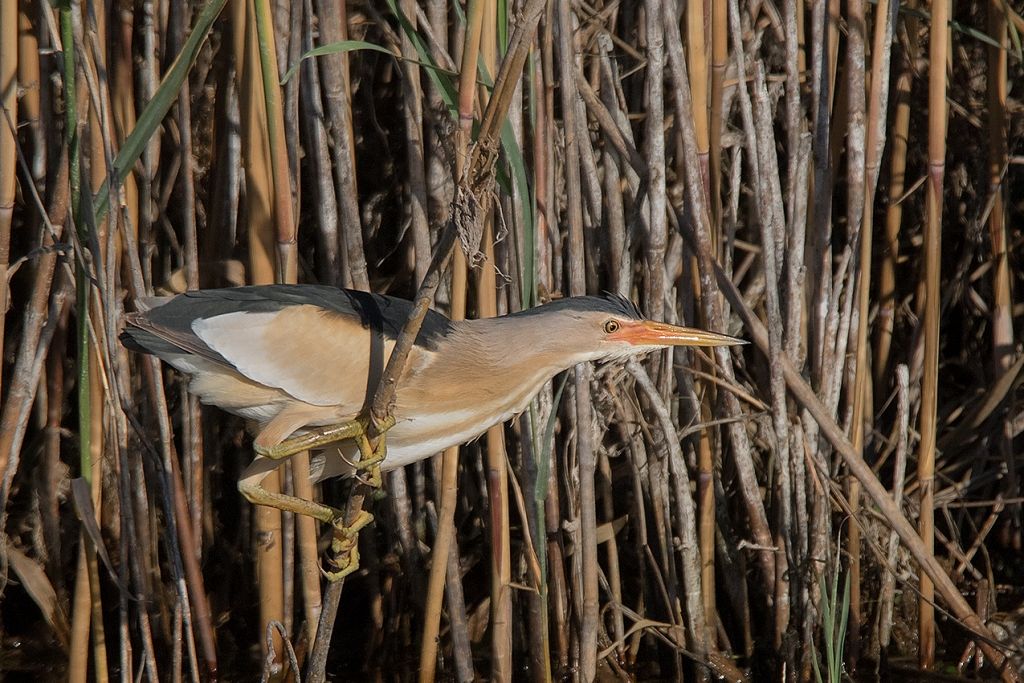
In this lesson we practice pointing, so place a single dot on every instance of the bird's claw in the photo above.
(372, 456)
(345, 546)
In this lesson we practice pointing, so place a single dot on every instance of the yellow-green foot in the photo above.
(370, 457)
(345, 547)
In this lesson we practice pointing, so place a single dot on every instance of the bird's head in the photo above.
(611, 327)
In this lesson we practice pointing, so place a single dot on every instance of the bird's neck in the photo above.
(507, 356)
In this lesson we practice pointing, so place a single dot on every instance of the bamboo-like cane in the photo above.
(885, 319)
(8, 169)
(937, 55)
(719, 62)
(80, 624)
(857, 226)
(449, 467)
(871, 154)
(697, 61)
(261, 201)
(497, 471)
(773, 244)
(338, 96)
(30, 106)
(287, 272)
(887, 592)
(587, 536)
(1003, 342)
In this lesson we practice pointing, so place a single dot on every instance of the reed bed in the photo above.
(835, 182)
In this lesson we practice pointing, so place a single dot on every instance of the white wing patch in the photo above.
(314, 355)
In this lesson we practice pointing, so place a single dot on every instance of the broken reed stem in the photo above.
(887, 592)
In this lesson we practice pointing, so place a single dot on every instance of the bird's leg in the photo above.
(345, 545)
(324, 436)
(356, 430)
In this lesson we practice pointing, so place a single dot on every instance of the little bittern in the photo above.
(305, 360)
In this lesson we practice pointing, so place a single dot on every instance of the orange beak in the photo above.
(648, 333)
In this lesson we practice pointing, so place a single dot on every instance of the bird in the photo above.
(302, 364)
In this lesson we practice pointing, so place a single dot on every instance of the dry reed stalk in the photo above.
(1003, 345)
(886, 317)
(613, 123)
(544, 155)
(618, 241)
(870, 156)
(887, 591)
(697, 61)
(497, 472)
(550, 605)
(819, 262)
(122, 111)
(444, 541)
(585, 559)
(261, 201)
(772, 224)
(412, 101)
(795, 124)
(337, 94)
(191, 416)
(287, 272)
(719, 63)
(654, 126)
(440, 183)
(707, 526)
(333, 260)
(856, 86)
(78, 661)
(715, 313)
(97, 627)
(287, 265)
(9, 45)
(685, 522)
(30, 107)
(806, 396)
(930, 276)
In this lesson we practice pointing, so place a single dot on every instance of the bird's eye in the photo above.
(611, 326)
